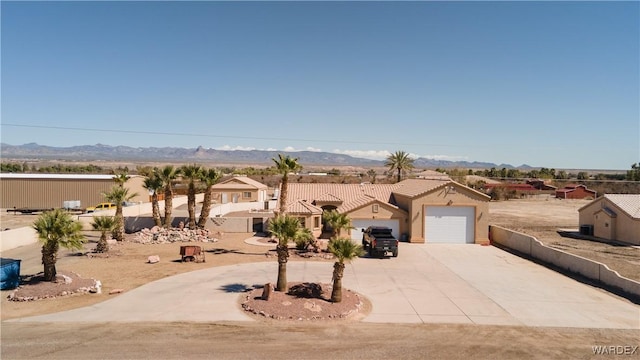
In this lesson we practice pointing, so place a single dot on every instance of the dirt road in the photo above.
(346, 341)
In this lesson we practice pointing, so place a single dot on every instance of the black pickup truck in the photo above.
(379, 240)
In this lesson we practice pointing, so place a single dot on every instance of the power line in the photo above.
(217, 136)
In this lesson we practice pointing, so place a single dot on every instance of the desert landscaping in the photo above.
(126, 267)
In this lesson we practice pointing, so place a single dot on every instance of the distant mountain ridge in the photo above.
(200, 154)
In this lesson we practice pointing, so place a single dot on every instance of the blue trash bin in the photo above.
(10, 274)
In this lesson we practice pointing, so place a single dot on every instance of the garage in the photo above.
(359, 224)
(449, 225)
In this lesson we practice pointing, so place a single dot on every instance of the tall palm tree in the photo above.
(343, 249)
(103, 224)
(191, 173)
(118, 195)
(57, 228)
(153, 183)
(336, 222)
(285, 165)
(400, 162)
(208, 177)
(168, 175)
(285, 228)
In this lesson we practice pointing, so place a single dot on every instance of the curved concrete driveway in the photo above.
(432, 283)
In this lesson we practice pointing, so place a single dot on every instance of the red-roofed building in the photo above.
(575, 191)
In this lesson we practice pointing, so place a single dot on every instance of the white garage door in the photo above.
(393, 224)
(449, 225)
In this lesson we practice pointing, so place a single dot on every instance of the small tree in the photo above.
(119, 195)
(153, 183)
(104, 224)
(56, 228)
(191, 173)
(285, 229)
(372, 175)
(343, 249)
(336, 222)
(208, 177)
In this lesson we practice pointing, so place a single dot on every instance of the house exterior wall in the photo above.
(384, 212)
(252, 195)
(442, 197)
(621, 228)
(51, 193)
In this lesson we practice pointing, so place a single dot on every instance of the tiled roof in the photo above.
(629, 203)
(240, 182)
(327, 198)
(433, 175)
(303, 207)
(415, 187)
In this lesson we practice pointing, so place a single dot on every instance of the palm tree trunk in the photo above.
(155, 206)
(102, 245)
(283, 255)
(191, 200)
(168, 206)
(119, 224)
(283, 194)
(49, 252)
(336, 291)
(206, 208)
(399, 174)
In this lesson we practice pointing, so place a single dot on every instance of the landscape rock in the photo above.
(158, 235)
(115, 291)
(306, 290)
(153, 259)
(266, 292)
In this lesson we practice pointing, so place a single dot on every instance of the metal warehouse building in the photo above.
(52, 190)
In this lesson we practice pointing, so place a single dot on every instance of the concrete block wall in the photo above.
(532, 247)
(11, 239)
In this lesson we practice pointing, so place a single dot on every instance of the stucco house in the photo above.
(613, 217)
(575, 191)
(417, 210)
(239, 189)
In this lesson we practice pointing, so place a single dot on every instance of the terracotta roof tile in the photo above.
(303, 207)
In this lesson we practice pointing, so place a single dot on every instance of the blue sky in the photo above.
(553, 84)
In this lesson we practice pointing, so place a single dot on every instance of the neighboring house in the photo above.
(575, 191)
(41, 191)
(239, 189)
(432, 175)
(417, 210)
(613, 217)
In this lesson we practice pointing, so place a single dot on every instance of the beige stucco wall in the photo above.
(621, 228)
(217, 195)
(442, 197)
(385, 212)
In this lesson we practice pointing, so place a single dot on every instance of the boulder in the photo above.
(153, 259)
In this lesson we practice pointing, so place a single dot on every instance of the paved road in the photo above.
(425, 284)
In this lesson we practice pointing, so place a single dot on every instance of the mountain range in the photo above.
(200, 154)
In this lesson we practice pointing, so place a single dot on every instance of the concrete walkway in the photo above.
(425, 284)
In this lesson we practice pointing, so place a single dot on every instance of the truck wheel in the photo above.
(371, 252)
(395, 253)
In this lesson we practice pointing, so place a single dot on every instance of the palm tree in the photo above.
(153, 183)
(118, 195)
(191, 173)
(372, 174)
(285, 228)
(168, 175)
(399, 162)
(336, 222)
(103, 224)
(343, 249)
(56, 228)
(208, 177)
(121, 178)
(285, 165)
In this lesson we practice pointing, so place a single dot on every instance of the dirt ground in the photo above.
(543, 217)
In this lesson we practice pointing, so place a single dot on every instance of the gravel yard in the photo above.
(543, 218)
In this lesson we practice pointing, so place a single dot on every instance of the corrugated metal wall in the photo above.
(52, 193)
